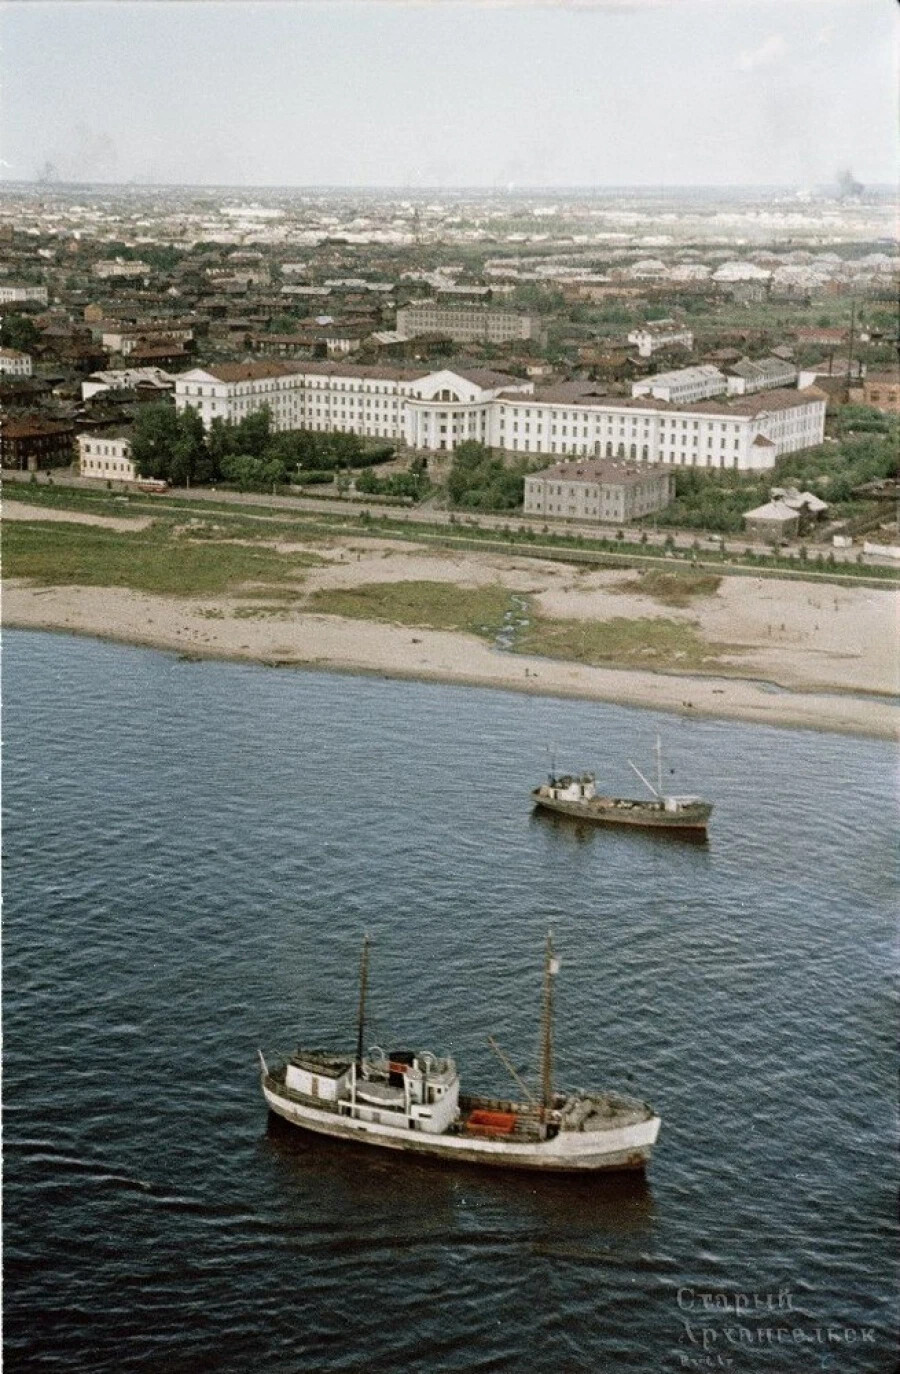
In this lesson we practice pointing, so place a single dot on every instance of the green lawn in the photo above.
(671, 589)
(154, 560)
(430, 605)
(656, 643)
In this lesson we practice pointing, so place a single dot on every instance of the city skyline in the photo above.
(366, 94)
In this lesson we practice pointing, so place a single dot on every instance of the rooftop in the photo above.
(29, 427)
(113, 432)
(772, 510)
(599, 470)
(700, 373)
(762, 367)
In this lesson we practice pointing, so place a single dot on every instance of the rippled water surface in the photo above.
(192, 852)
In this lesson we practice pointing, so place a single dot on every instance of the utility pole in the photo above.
(850, 344)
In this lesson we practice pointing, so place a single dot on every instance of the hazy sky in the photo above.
(450, 92)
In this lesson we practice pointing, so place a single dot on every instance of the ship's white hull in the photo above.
(625, 1147)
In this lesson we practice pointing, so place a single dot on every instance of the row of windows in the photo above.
(115, 449)
(104, 465)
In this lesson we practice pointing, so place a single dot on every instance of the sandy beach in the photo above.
(802, 654)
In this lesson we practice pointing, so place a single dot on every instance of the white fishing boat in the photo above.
(411, 1101)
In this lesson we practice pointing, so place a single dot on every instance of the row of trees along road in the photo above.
(173, 445)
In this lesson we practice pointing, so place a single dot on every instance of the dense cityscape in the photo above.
(453, 349)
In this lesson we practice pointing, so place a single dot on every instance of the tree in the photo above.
(479, 481)
(20, 332)
(190, 458)
(251, 434)
(343, 449)
(170, 445)
(251, 473)
(153, 440)
(283, 324)
(219, 444)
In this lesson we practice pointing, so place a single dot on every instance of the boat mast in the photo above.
(504, 1060)
(648, 785)
(361, 1015)
(658, 763)
(551, 967)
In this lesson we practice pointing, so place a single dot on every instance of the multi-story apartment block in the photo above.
(660, 334)
(435, 411)
(106, 454)
(22, 293)
(746, 434)
(685, 385)
(598, 490)
(14, 364)
(125, 339)
(746, 377)
(425, 410)
(116, 267)
(465, 323)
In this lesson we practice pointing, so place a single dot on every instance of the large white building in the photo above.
(435, 411)
(746, 377)
(14, 364)
(465, 323)
(116, 267)
(424, 410)
(684, 385)
(106, 454)
(15, 293)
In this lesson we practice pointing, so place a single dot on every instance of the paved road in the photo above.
(682, 539)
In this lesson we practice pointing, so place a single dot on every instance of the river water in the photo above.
(192, 853)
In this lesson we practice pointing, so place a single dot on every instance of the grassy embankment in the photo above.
(654, 642)
(163, 560)
(261, 522)
(206, 559)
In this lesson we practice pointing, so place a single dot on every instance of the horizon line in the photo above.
(511, 188)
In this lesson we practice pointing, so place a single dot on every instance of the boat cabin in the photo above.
(573, 789)
(680, 803)
(416, 1089)
(319, 1076)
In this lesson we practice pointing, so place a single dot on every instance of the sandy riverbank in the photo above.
(832, 649)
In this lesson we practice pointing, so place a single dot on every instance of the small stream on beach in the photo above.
(192, 853)
(517, 619)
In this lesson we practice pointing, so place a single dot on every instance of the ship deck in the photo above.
(500, 1118)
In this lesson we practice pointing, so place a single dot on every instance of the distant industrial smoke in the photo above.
(847, 185)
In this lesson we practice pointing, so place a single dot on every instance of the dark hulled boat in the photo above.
(577, 796)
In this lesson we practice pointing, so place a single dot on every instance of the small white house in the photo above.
(661, 334)
(107, 455)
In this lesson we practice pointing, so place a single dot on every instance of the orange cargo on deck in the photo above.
(491, 1123)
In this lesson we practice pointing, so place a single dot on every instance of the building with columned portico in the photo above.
(433, 412)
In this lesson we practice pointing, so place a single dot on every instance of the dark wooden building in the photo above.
(30, 443)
